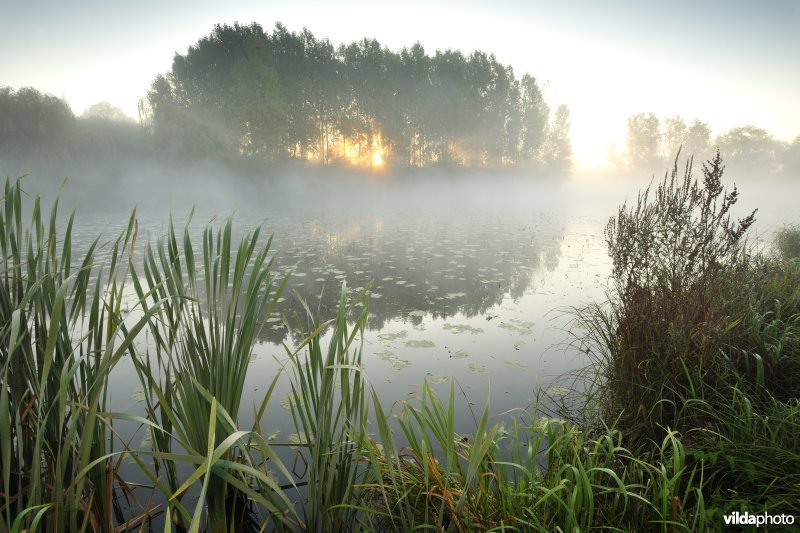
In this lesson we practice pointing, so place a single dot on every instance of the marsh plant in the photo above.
(678, 264)
(62, 331)
(203, 336)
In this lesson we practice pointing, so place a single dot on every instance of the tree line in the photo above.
(292, 96)
(651, 143)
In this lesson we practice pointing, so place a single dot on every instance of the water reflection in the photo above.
(422, 266)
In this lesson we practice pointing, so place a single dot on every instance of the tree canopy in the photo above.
(288, 95)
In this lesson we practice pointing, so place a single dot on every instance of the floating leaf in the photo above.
(297, 440)
(462, 328)
(460, 354)
(399, 364)
(476, 369)
(420, 344)
(391, 337)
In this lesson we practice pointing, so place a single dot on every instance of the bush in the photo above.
(678, 264)
(787, 243)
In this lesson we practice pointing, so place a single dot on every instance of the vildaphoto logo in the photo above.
(763, 519)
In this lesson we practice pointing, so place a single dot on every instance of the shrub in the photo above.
(787, 242)
(678, 264)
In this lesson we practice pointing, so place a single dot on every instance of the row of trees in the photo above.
(41, 128)
(651, 143)
(287, 95)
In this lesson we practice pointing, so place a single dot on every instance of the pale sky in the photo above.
(729, 63)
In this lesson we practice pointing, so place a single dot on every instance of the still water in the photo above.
(476, 288)
(476, 293)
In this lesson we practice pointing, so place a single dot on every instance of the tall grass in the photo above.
(203, 336)
(678, 266)
(329, 412)
(62, 333)
(701, 335)
(542, 474)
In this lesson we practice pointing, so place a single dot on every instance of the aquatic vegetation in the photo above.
(540, 475)
(456, 329)
(203, 336)
(62, 331)
(475, 368)
(414, 343)
(518, 326)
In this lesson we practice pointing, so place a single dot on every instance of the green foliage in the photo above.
(678, 262)
(541, 475)
(787, 243)
(329, 408)
(203, 337)
(62, 331)
(241, 90)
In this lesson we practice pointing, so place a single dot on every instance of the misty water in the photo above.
(472, 283)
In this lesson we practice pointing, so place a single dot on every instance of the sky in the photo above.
(728, 63)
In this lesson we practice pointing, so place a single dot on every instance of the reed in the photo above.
(63, 331)
(330, 411)
(203, 334)
(542, 474)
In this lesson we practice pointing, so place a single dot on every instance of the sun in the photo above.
(377, 158)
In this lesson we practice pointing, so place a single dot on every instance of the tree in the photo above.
(556, 152)
(643, 142)
(790, 161)
(105, 111)
(534, 113)
(697, 141)
(749, 148)
(675, 135)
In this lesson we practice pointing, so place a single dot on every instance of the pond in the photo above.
(468, 284)
(474, 289)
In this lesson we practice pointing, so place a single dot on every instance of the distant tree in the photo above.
(750, 149)
(534, 114)
(698, 141)
(556, 152)
(30, 117)
(643, 142)
(241, 90)
(674, 135)
(34, 124)
(790, 161)
(105, 111)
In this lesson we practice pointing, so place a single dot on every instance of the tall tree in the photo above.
(556, 151)
(643, 142)
(750, 149)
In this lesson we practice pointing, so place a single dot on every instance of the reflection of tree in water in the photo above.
(436, 265)
(442, 267)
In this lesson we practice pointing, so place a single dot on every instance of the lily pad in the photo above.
(288, 401)
(438, 379)
(420, 344)
(474, 368)
(513, 363)
(518, 326)
(297, 440)
(460, 354)
(399, 364)
(391, 337)
(462, 328)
